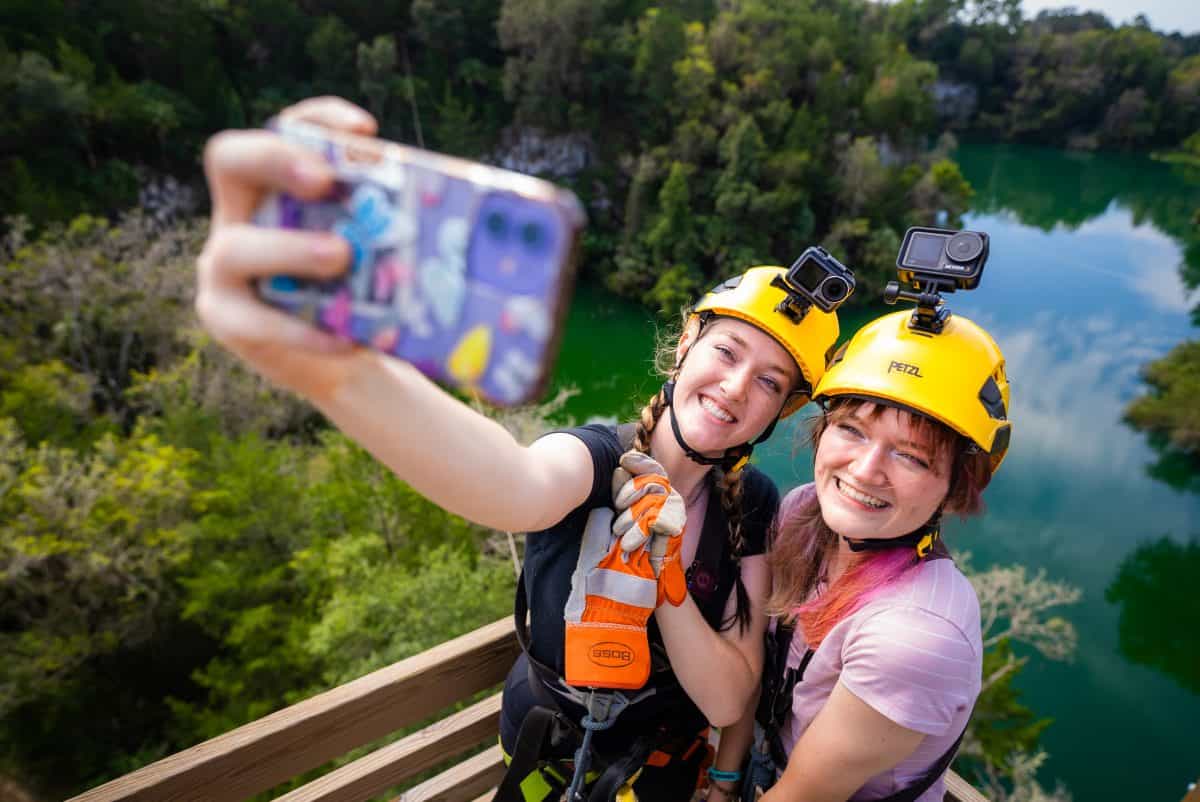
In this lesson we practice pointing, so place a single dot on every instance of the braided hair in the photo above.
(730, 484)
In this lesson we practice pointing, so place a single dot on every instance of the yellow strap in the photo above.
(536, 788)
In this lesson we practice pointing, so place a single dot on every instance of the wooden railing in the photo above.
(272, 750)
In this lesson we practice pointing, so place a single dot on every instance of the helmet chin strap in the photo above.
(922, 539)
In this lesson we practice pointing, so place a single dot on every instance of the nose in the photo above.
(735, 382)
(868, 465)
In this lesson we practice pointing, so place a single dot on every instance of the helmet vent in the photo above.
(1001, 440)
(992, 400)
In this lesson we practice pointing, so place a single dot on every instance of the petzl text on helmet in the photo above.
(933, 261)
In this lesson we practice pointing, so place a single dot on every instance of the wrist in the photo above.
(722, 790)
(728, 778)
(724, 782)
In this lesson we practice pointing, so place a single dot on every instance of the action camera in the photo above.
(952, 259)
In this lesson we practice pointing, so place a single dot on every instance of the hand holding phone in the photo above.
(462, 269)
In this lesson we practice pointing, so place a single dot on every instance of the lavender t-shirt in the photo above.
(914, 654)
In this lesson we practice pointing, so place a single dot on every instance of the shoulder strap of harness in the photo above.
(912, 792)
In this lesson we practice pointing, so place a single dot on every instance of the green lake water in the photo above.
(1091, 260)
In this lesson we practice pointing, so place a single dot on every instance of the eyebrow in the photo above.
(773, 366)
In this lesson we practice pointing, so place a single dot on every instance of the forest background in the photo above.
(183, 549)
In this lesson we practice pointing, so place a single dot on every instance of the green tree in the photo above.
(546, 73)
(661, 42)
(1170, 407)
(331, 46)
(89, 547)
(674, 237)
(104, 300)
(900, 101)
(377, 74)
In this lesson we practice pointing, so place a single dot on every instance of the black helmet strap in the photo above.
(922, 539)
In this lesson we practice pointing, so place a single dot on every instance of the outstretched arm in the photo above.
(458, 458)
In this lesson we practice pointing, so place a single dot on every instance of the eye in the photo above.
(913, 460)
(850, 431)
(724, 351)
(771, 384)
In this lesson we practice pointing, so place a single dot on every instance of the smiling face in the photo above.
(731, 386)
(880, 472)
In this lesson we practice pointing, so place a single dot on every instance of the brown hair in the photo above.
(802, 542)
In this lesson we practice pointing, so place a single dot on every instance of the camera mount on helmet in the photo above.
(933, 261)
(815, 279)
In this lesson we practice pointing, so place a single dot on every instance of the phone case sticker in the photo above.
(460, 279)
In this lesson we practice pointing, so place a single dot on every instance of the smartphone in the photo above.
(463, 269)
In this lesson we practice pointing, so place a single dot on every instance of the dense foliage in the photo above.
(712, 135)
(183, 549)
(1171, 406)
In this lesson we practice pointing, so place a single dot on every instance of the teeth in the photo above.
(716, 410)
(859, 496)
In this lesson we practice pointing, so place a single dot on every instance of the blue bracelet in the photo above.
(724, 776)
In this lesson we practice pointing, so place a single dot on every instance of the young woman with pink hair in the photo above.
(877, 655)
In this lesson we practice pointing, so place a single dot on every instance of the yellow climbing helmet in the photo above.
(956, 376)
(755, 297)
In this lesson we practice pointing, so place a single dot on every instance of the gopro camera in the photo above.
(954, 260)
(816, 279)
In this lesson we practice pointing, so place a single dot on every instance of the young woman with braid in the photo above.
(738, 367)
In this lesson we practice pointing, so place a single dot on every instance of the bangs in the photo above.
(934, 436)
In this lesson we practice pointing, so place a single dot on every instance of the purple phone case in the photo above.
(462, 269)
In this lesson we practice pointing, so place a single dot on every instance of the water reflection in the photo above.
(1175, 468)
(1160, 609)
(1049, 190)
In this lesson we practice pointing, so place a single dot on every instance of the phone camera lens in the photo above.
(965, 246)
(532, 235)
(497, 225)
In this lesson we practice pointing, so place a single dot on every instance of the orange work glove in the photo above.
(613, 593)
(650, 509)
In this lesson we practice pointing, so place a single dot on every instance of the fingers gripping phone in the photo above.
(462, 269)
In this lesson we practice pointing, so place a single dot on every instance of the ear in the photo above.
(691, 333)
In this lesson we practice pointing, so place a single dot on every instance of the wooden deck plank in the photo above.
(959, 790)
(461, 783)
(392, 764)
(259, 755)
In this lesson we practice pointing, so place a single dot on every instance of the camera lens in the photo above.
(497, 225)
(965, 246)
(835, 289)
